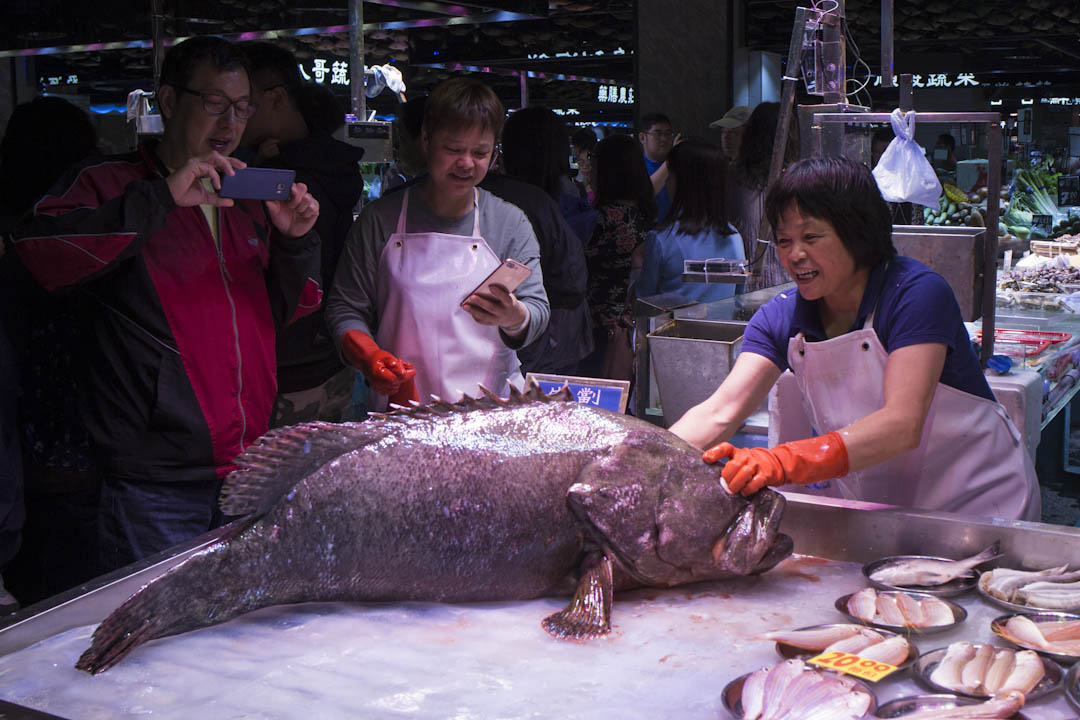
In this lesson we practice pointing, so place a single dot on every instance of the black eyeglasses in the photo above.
(219, 104)
(662, 133)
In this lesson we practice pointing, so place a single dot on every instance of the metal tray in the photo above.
(732, 696)
(959, 615)
(928, 662)
(1015, 607)
(906, 706)
(997, 626)
(953, 587)
(788, 651)
(1072, 686)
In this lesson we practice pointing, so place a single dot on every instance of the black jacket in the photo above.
(306, 356)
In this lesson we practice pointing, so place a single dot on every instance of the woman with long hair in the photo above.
(696, 228)
(625, 206)
(750, 176)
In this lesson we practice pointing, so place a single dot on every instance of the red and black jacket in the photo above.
(180, 372)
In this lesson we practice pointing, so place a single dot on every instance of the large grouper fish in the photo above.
(484, 499)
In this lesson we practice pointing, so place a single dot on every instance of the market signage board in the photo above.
(611, 395)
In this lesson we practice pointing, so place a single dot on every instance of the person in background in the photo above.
(183, 291)
(944, 154)
(44, 137)
(696, 227)
(402, 309)
(291, 129)
(879, 141)
(657, 138)
(880, 360)
(537, 177)
(750, 175)
(731, 128)
(12, 510)
(582, 142)
(409, 159)
(626, 206)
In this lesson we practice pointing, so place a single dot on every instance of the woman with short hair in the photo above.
(880, 359)
(696, 226)
(403, 308)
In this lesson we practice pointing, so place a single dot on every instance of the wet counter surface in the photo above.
(670, 655)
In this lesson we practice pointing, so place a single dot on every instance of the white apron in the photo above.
(970, 460)
(423, 277)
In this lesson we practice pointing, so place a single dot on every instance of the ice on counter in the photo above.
(670, 655)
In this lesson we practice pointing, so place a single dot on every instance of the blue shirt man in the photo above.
(657, 138)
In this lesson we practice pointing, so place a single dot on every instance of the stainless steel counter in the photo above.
(671, 650)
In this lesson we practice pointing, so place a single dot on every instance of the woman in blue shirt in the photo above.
(880, 361)
(696, 226)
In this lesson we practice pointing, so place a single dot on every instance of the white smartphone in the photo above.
(509, 275)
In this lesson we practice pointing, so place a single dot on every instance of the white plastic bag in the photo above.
(903, 173)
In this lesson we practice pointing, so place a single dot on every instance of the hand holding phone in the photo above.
(257, 184)
(492, 303)
(508, 275)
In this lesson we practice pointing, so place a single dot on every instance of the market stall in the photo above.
(671, 653)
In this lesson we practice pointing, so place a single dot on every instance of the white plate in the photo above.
(959, 614)
(997, 626)
(907, 706)
(927, 662)
(953, 587)
(732, 696)
(788, 651)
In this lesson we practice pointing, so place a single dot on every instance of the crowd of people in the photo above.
(152, 329)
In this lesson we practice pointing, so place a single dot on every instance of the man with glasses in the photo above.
(182, 292)
(657, 138)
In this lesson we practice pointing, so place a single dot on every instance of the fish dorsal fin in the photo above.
(486, 401)
(284, 456)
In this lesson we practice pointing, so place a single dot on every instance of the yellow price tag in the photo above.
(860, 667)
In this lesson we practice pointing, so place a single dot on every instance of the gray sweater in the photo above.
(353, 299)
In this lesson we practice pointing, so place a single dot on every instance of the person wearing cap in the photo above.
(731, 130)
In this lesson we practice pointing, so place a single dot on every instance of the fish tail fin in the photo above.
(163, 606)
(990, 553)
(143, 617)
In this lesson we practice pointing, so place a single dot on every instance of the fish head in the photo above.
(666, 519)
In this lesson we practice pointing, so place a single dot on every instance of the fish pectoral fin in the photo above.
(589, 613)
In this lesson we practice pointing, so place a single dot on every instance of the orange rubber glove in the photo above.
(800, 463)
(387, 375)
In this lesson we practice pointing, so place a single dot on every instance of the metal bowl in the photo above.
(788, 651)
(908, 705)
(1072, 685)
(997, 626)
(1015, 607)
(953, 587)
(927, 662)
(959, 614)
(732, 696)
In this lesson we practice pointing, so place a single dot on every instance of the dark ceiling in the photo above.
(1037, 39)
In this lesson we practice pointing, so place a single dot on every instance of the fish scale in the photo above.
(486, 499)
